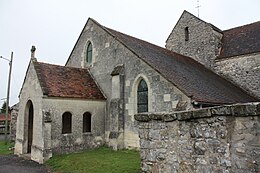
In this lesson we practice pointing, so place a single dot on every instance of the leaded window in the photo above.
(142, 97)
(89, 53)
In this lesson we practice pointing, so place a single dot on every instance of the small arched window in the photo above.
(89, 53)
(86, 122)
(66, 122)
(142, 97)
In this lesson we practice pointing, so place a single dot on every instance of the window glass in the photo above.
(89, 53)
(142, 97)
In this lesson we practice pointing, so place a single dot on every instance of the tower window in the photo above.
(186, 30)
(142, 97)
(89, 53)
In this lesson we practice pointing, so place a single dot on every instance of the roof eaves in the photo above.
(102, 92)
(24, 78)
(215, 28)
(41, 81)
(33, 61)
(74, 97)
(235, 55)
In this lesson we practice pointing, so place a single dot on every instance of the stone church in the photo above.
(110, 76)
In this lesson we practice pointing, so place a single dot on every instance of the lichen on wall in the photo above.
(218, 139)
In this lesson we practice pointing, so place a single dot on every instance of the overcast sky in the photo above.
(53, 26)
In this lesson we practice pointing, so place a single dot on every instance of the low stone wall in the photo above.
(220, 139)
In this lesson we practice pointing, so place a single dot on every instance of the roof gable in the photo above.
(192, 78)
(184, 13)
(241, 40)
(69, 82)
(29, 67)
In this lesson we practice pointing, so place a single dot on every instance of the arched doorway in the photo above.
(29, 108)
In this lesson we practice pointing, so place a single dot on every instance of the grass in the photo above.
(102, 160)
(4, 149)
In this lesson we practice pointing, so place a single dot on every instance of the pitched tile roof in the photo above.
(189, 76)
(2, 117)
(241, 40)
(69, 82)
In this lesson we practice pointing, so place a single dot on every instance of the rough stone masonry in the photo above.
(221, 139)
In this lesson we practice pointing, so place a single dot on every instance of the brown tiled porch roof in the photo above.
(69, 82)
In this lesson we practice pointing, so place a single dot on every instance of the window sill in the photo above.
(87, 133)
(66, 134)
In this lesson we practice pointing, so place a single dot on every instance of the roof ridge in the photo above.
(135, 38)
(241, 40)
(241, 26)
(62, 65)
(162, 48)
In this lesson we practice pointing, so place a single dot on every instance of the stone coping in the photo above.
(238, 110)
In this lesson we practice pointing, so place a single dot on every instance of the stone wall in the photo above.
(77, 140)
(204, 45)
(220, 139)
(242, 70)
(14, 114)
(31, 91)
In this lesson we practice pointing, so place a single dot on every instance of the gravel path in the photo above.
(13, 164)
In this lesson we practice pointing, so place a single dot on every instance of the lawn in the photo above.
(4, 149)
(102, 160)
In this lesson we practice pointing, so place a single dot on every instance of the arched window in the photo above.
(66, 122)
(86, 122)
(142, 97)
(89, 53)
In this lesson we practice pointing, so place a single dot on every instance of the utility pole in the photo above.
(8, 93)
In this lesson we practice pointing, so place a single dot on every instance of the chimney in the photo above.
(33, 49)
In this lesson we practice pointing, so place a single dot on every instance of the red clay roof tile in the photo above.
(70, 82)
(2, 117)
